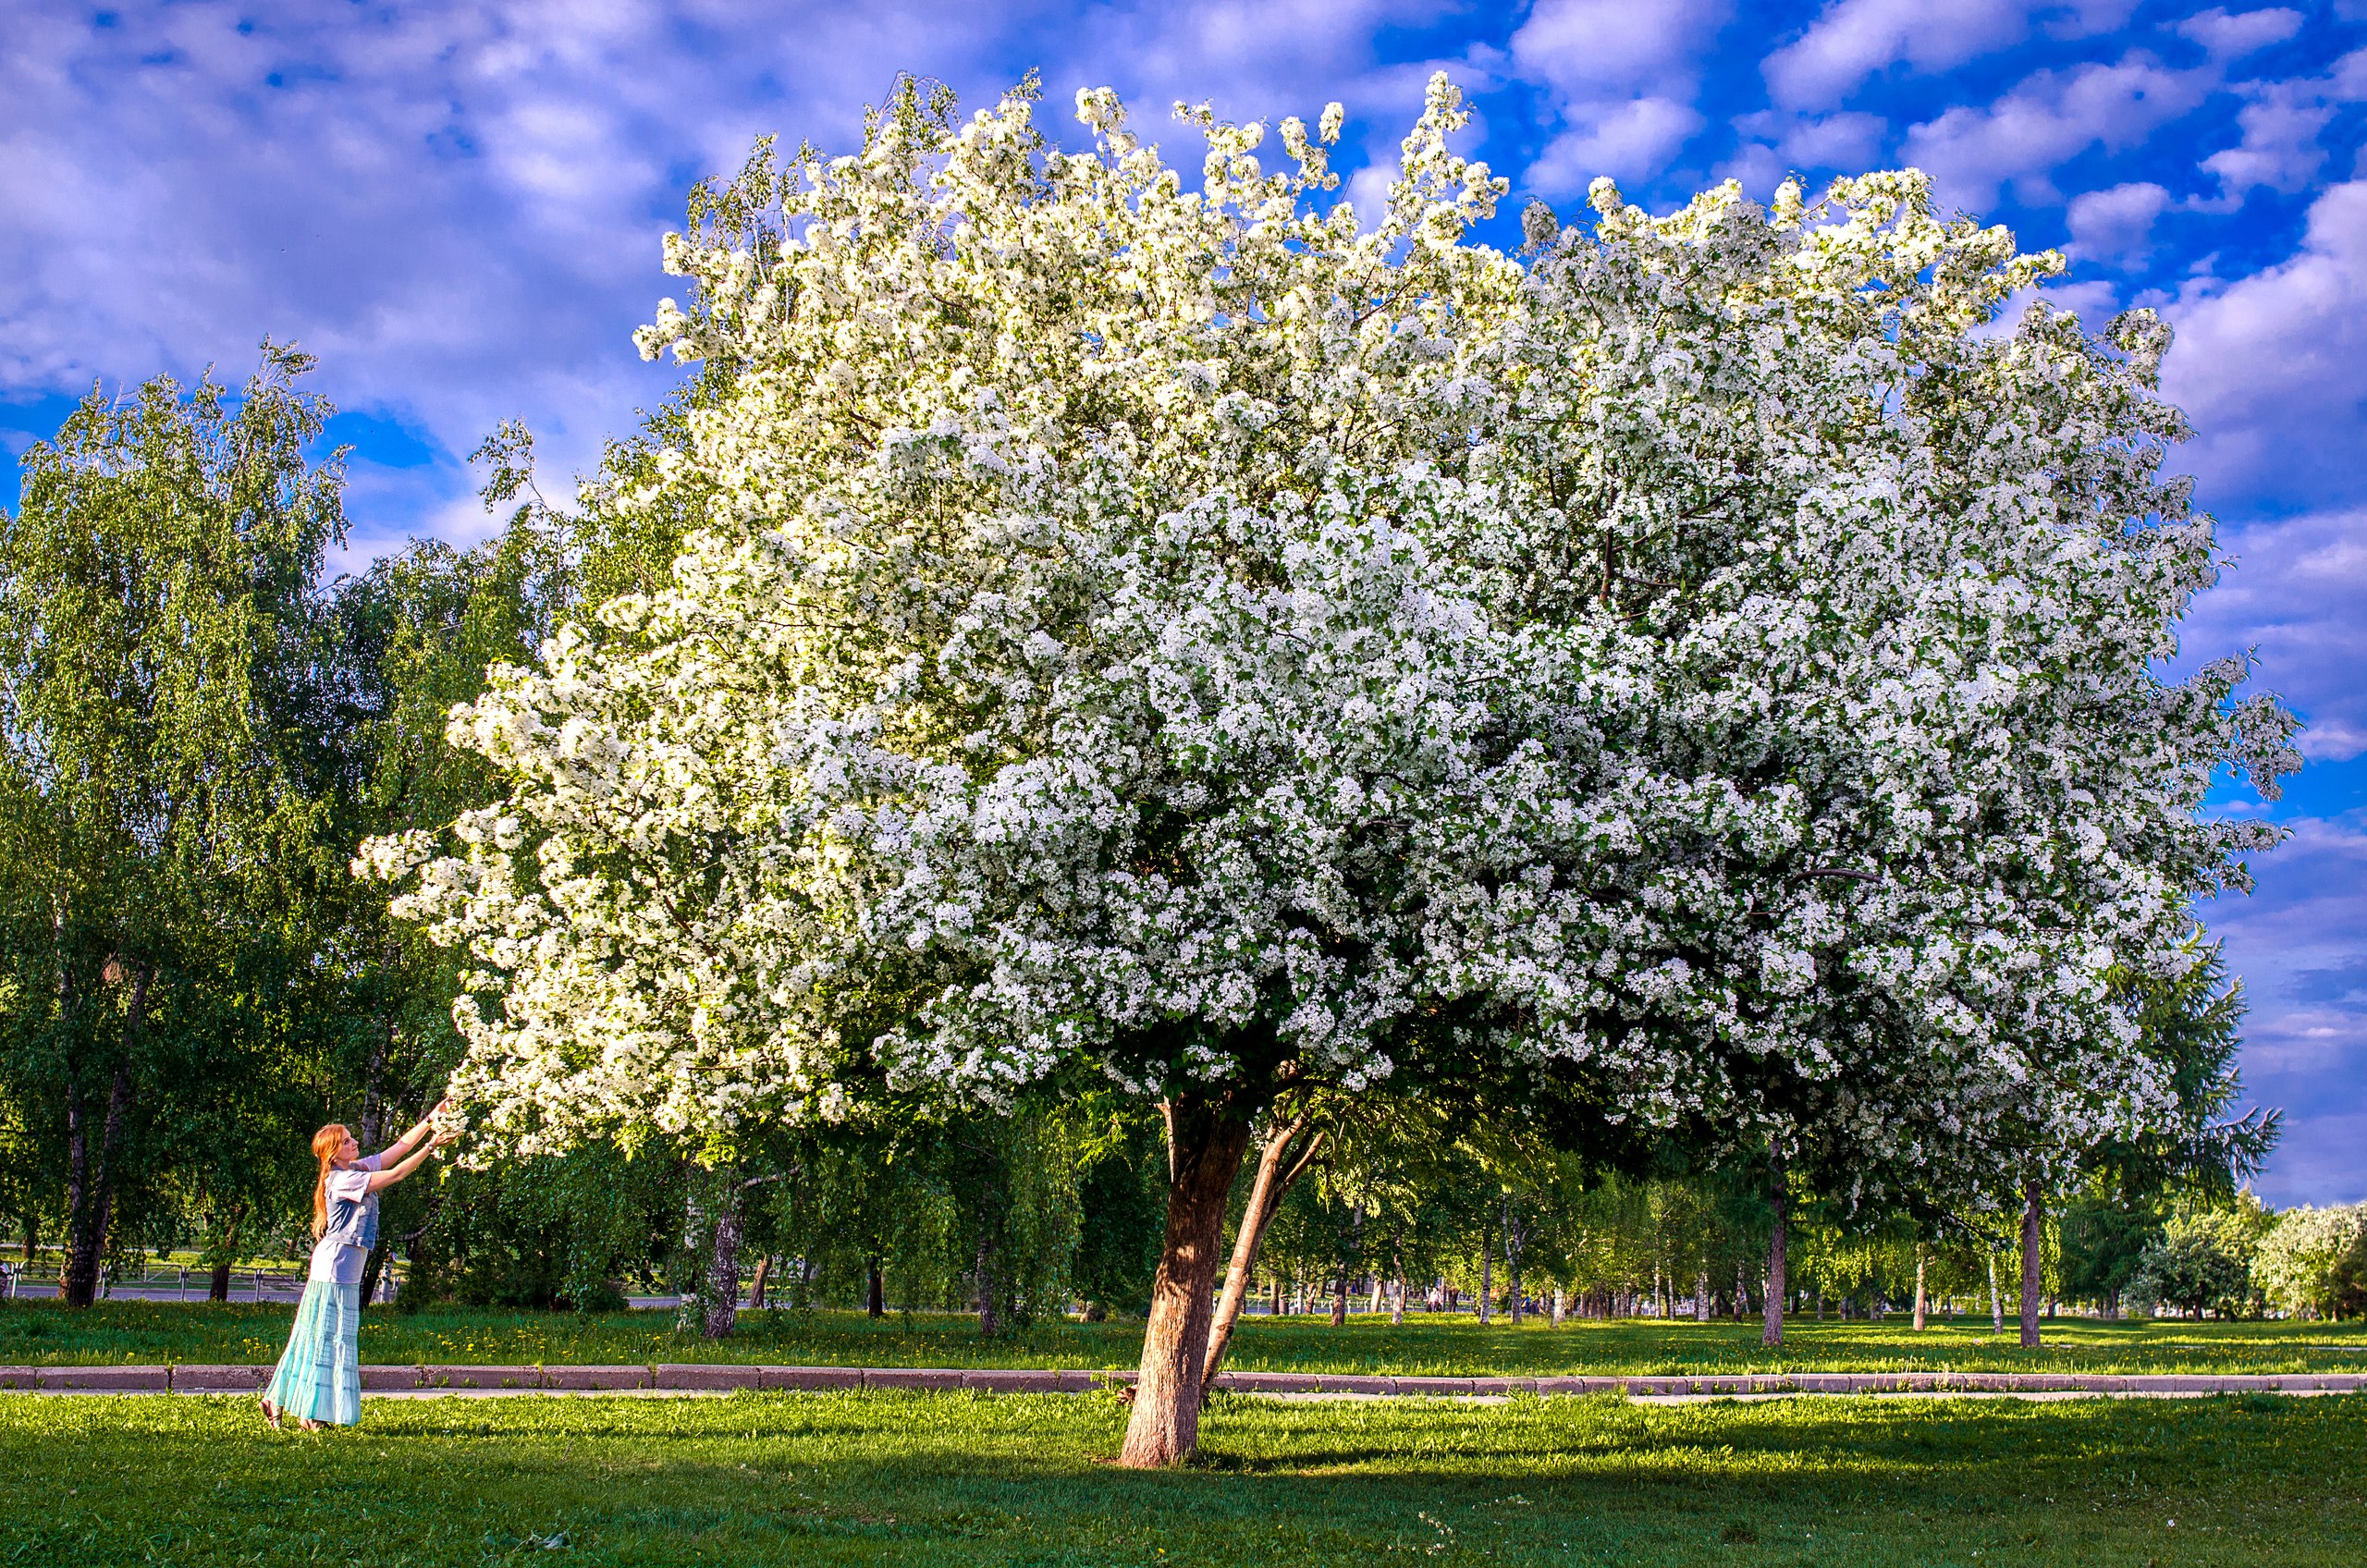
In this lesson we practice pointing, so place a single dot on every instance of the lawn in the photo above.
(961, 1479)
(37, 1332)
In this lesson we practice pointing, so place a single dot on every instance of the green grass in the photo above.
(968, 1479)
(38, 1332)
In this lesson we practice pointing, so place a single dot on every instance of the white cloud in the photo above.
(1622, 77)
(2295, 592)
(2047, 118)
(1592, 48)
(1852, 39)
(2273, 367)
(1776, 144)
(2298, 944)
(2227, 37)
(2116, 225)
(1632, 140)
(2282, 122)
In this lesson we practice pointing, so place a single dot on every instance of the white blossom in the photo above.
(1158, 624)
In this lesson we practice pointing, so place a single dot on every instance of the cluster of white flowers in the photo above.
(1199, 634)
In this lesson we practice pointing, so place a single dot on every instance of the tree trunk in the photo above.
(374, 1268)
(875, 1296)
(1207, 1138)
(1397, 1308)
(1997, 1307)
(1280, 1165)
(1513, 1245)
(986, 1281)
(1922, 1302)
(723, 1266)
(1779, 1237)
(2033, 1218)
(89, 1236)
(1356, 1255)
(217, 1286)
(757, 1285)
(1486, 1277)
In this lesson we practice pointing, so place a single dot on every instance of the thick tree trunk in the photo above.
(723, 1268)
(1340, 1298)
(2033, 1218)
(1207, 1139)
(1701, 1295)
(875, 1294)
(1922, 1302)
(1770, 1330)
(1287, 1154)
(218, 1285)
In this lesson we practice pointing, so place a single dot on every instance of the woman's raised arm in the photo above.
(381, 1180)
(403, 1143)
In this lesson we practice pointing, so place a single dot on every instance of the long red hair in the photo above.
(326, 1144)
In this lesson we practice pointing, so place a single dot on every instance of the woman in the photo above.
(319, 1376)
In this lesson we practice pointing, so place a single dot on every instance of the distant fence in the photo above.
(154, 1282)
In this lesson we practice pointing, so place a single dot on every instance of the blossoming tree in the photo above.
(1223, 644)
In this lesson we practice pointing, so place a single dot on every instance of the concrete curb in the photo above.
(710, 1376)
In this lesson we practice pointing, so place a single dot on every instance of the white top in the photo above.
(331, 1261)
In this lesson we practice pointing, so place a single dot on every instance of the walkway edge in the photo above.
(711, 1375)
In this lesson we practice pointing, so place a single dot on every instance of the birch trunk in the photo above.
(2033, 1221)
(723, 1266)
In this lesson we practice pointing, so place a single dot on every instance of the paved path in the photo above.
(708, 1378)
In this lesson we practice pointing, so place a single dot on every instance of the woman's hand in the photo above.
(426, 1124)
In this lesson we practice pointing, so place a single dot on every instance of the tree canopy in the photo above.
(1206, 641)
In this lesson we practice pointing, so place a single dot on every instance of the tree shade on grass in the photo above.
(37, 1333)
(981, 1479)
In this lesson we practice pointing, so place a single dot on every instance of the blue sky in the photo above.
(457, 206)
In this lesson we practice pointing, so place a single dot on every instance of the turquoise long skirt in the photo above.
(319, 1376)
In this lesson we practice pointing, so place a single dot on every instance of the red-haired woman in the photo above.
(319, 1377)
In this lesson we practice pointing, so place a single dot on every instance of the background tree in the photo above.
(2315, 1261)
(159, 626)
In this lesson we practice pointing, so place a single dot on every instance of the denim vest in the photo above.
(354, 1223)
